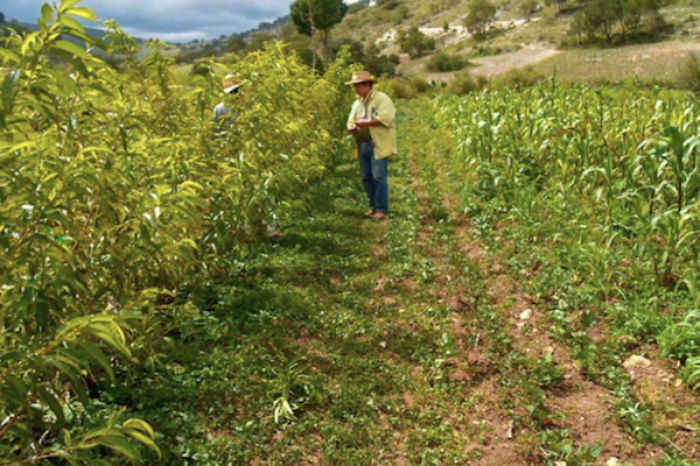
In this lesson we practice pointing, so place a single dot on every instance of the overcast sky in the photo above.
(169, 20)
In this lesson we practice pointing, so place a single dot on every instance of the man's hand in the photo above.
(367, 124)
(353, 129)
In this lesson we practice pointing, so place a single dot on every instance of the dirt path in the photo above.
(501, 64)
(492, 66)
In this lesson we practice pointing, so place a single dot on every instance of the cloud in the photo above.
(174, 20)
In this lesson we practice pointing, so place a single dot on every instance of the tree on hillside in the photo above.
(415, 43)
(480, 15)
(2, 17)
(370, 57)
(559, 3)
(310, 16)
(636, 11)
(235, 44)
(528, 7)
(388, 4)
(607, 16)
(600, 15)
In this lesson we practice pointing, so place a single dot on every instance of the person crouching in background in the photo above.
(224, 118)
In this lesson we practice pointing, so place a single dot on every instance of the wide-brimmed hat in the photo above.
(231, 83)
(361, 77)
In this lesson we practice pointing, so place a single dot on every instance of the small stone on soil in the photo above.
(636, 361)
(526, 314)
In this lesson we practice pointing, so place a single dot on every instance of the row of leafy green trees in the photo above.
(607, 182)
(119, 202)
(608, 18)
(629, 18)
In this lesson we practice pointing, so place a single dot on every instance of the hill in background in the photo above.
(433, 40)
(541, 34)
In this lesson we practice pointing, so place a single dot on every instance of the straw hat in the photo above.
(231, 83)
(361, 77)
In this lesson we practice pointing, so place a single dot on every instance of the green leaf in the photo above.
(70, 58)
(141, 431)
(66, 438)
(98, 356)
(20, 389)
(82, 12)
(10, 55)
(65, 4)
(121, 445)
(53, 404)
(141, 425)
(8, 90)
(72, 23)
(46, 13)
(70, 47)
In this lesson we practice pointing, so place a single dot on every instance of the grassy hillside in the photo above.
(525, 33)
(541, 38)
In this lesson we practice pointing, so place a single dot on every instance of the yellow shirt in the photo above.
(377, 106)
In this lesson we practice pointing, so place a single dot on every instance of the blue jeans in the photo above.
(374, 177)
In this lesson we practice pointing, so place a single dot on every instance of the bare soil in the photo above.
(501, 64)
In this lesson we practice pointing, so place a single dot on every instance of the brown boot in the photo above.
(379, 215)
(370, 213)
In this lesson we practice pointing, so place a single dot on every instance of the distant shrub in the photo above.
(690, 73)
(370, 57)
(443, 62)
(529, 7)
(481, 14)
(518, 78)
(482, 50)
(420, 84)
(388, 4)
(399, 88)
(399, 14)
(192, 56)
(463, 85)
(415, 43)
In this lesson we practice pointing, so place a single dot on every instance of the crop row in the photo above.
(119, 202)
(606, 182)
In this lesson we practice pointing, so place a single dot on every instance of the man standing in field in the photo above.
(372, 122)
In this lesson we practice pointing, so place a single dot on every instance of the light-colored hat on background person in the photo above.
(361, 77)
(231, 83)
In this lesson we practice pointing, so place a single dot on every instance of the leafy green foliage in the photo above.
(442, 62)
(370, 58)
(119, 205)
(633, 17)
(690, 73)
(310, 16)
(317, 14)
(608, 178)
(480, 15)
(415, 43)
